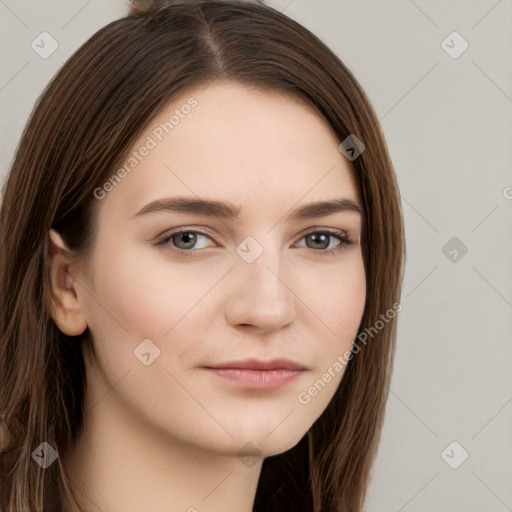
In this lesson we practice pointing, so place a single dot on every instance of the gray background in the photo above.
(448, 126)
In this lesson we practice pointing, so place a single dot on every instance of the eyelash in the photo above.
(191, 253)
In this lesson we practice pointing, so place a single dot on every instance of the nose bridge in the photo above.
(264, 272)
(261, 296)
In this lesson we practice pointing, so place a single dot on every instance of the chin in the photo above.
(268, 441)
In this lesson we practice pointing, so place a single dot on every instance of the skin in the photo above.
(172, 435)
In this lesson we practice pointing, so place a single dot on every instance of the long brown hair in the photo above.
(79, 132)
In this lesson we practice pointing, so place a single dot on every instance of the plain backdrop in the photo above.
(445, 104)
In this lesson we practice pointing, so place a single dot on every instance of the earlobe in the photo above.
(65, 308)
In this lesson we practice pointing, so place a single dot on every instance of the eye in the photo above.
(322, 240)
(189, 242)
(184, 240)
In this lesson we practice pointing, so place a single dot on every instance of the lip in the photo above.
(259, 364)
(258, 374)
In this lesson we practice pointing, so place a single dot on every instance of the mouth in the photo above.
(257, 374)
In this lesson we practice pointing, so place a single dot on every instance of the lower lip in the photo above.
(258, 379)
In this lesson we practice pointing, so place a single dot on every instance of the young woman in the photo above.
(202, 252)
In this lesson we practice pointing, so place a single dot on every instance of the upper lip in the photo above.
(258, 364)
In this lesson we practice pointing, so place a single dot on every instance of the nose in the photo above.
(260, 297)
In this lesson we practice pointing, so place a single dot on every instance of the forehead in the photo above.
(261, 149)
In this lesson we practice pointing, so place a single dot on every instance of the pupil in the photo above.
(187, 238)
(317, 236)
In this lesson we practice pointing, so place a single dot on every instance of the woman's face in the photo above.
(266, 287)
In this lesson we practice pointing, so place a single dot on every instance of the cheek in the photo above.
(338, 299)
(149, 296)
(340, 306)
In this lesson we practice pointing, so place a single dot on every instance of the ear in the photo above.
(65, 309)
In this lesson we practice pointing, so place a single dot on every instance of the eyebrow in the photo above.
(226, 210)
